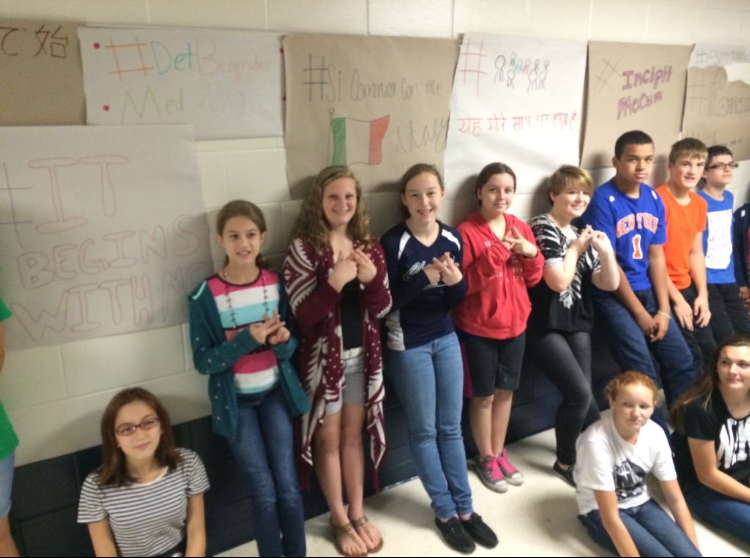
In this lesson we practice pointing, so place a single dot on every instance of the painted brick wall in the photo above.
(55, 395)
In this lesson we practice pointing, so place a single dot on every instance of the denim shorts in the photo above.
(6, 483)
(353, 362)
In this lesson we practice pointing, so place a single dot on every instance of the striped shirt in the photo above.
(146, 519)
(242, 305)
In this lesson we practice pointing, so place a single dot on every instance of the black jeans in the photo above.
(565, 358)
(701, 340)
(728, 313)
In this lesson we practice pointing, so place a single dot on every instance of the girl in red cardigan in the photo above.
(335, 275)
(501, 260)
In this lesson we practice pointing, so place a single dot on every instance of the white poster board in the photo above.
(516, 100)
(104, 230)
(228, 84)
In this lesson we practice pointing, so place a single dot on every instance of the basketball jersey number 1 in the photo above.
(637, 251)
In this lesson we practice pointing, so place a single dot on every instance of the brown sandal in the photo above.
(346, 529)
(361, 521)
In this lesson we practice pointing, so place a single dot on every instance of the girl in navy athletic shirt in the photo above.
(423, 360)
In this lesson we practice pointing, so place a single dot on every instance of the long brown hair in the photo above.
(705, 386)
(114, 468)
(312, 225)
(242, 208)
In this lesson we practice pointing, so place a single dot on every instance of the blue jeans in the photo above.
(7, 467)
(264, 449)
(652, 530)
(429, 381)
(632, 350)
(724, 512)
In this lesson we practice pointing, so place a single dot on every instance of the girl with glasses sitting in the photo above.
(146, 499)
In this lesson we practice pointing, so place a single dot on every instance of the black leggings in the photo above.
(565, 358)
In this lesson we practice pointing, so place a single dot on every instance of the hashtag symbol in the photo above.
(13, 220)
(321, 80)
(699, 92)
(129, 58)
(602, 79)
(473, 58)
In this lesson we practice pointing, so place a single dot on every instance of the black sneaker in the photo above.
(567, 476)
(455, 535)
(480, 531)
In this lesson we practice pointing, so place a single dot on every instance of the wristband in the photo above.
(664, 315)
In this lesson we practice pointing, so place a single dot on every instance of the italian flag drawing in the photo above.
(358, 141)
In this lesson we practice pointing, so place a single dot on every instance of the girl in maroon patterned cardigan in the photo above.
(335, 275)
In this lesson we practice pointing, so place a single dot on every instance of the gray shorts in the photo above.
(353, 393)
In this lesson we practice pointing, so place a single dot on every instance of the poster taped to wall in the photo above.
(516, 100)
(633, 87)
(105, 230)
(41, 80)
(376, 104)
(717, 103)
(228, 84)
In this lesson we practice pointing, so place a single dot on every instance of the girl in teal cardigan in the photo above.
(240, 339)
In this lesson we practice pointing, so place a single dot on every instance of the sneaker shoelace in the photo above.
(506, 466)
(494, 469)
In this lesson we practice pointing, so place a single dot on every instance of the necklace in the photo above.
(232, 311)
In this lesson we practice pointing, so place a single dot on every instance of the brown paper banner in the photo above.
(41, 81)
(376, 104)
(633, 87)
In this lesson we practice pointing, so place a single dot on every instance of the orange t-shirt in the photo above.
(684, 222)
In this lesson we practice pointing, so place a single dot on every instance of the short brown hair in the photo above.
(114, 468)
(566, 176)
(689, 147)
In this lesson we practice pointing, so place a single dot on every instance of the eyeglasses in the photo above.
(723, 166)
(128, 429)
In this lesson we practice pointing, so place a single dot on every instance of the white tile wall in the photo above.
(55, 394)
(114, 362)
(93, 11)
(417, 18)
(248, 14)
(547, 18)
(613, 20)
(33, 377)
(670, 24)
(318, 16)
(490, 16)
(720, 26)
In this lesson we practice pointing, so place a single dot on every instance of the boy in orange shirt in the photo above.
(686, 214)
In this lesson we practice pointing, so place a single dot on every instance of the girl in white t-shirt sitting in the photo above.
(614, 456)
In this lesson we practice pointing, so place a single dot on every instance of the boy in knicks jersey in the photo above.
(686, 214)
(637, 317)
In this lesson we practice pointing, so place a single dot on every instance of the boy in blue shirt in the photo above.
(637, 317)
(729, 316)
